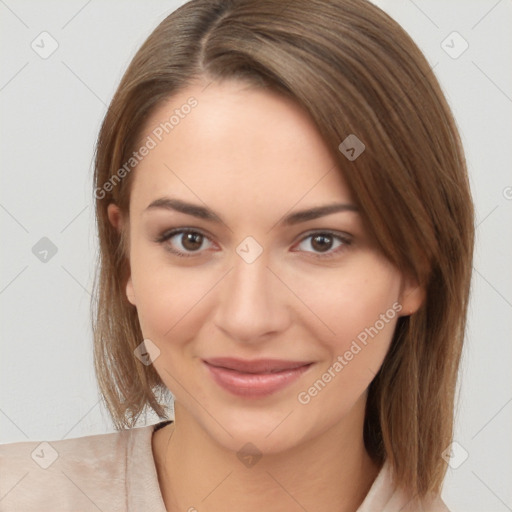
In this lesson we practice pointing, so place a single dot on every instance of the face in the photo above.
(233, 254)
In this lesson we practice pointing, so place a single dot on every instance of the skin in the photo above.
(253, 157)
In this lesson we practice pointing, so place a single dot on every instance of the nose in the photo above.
(254, 303)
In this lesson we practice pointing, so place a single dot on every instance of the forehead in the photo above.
(246, 143)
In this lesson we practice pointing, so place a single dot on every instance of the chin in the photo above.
(267, 431)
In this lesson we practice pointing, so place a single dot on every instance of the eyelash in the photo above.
(344, 239)
(181, 231)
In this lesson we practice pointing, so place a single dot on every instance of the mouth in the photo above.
(257, 378)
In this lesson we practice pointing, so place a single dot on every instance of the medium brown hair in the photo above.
(355, 71)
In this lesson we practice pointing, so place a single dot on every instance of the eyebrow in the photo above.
(195, 210)
(315, 213)
(201, 212)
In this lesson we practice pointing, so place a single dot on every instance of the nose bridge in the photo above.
(250, 304)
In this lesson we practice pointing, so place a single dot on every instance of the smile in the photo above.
(254, 379)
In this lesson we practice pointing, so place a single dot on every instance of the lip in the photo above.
(256, 378)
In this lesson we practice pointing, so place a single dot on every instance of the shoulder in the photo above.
(384, 496)
(72, 474)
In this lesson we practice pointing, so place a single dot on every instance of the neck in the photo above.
(331, 472)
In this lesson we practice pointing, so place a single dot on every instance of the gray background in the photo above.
(51, 109)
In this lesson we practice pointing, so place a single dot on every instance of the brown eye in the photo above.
(185, 242)
(192, 241)
(322, 242)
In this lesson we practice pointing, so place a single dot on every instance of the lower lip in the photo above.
(254, 385)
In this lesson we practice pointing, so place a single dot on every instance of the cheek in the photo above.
(362, 310)
(167, 297)
(356, 306)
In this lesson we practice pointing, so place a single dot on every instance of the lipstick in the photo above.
(257, 378)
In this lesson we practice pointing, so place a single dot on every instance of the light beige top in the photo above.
(116, 472)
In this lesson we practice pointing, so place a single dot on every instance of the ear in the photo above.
(114, 216)
(130, 294)
(412, 296)
(116, 219)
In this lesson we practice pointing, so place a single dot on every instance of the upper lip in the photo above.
(256, 365)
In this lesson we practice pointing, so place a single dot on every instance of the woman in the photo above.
(286, 236)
